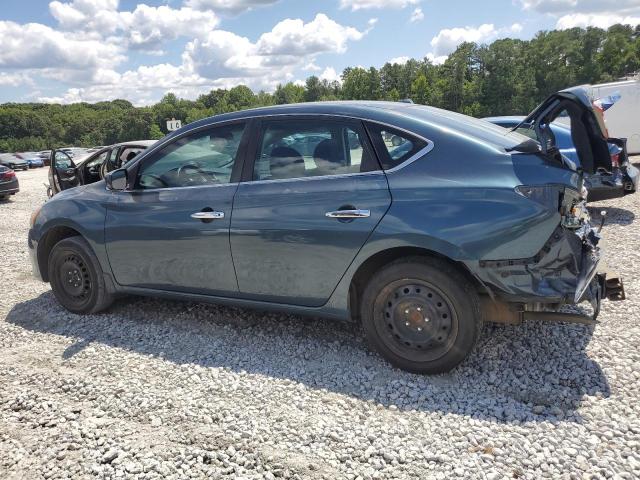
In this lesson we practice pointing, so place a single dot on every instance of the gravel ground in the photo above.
(159, 389)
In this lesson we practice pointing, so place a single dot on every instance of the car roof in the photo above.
(413, 117)
(505, 118)
(141, 143)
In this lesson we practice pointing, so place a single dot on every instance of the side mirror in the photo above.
(117, 180)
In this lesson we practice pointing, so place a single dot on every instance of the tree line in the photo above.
(506, 77)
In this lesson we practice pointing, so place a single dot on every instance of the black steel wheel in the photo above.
(421, 314)
(76, 278)
(417, 319)
(73, 277)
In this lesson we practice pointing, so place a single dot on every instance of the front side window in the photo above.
(99, 160)
(202, 158)
(394, 146)
(311, 148)
(63, 160)
(129, 153)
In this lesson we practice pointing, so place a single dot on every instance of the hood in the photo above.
(588, 130)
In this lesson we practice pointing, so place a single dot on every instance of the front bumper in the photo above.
(33, 256)
(563, 271)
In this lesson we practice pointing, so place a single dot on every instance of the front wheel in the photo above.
(76, 277)
(421, 314)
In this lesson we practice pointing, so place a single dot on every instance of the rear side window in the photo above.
(310, 148)
(393, 146)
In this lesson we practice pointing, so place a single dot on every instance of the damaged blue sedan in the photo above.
(417, 222)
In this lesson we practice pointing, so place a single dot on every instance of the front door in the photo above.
(311, 200)
(170, 230)
(63, 173)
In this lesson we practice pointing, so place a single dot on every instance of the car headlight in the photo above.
(34, 217)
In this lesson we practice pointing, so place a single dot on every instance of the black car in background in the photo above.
(13, 161)
(8, 182)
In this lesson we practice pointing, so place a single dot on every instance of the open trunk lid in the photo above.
(588, 130)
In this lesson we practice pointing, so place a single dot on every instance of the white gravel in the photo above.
(159, 389)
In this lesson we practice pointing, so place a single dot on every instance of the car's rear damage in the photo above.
(564, 271)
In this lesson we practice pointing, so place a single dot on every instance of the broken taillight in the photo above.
(568, 202)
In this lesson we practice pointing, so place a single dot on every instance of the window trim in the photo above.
(419, 154)
(257, 137)
(254, 119)
(134, 169)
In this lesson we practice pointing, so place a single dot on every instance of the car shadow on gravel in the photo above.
(614, 215)
(528, 373)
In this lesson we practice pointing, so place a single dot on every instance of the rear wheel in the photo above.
(76, 277)
(421, 314)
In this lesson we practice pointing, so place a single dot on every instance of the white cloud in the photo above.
(36, 46)
(436, 60)
(446, 41)
(223, 59)
(330, 75)
(417, 15)
(290, 44)
(15, 79)
(141, 86)
(294, 37)
(145, 27)
(400, 60)
(369, 4)
(97, 15)
(233, 7)
(601, 20)
(579, 6)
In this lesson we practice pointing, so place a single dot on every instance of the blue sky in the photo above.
(91, 50)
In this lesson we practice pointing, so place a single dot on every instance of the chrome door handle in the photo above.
(348, 214)
(207, 215)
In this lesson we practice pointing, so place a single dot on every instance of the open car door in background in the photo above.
(63, 173)
(588, 130)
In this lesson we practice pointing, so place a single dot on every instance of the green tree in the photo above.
(420, 90)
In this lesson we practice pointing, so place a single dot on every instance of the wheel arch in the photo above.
(375, 262)
(46, 243)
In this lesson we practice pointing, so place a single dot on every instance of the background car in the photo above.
(618, 181)
(13, 161)
(468, 222)
(32, 158)
(45, 155)
(67, 172)
(8, 182)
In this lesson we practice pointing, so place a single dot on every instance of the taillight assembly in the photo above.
(8, 175)
(615, 160)
(547, 195)
(569, 203)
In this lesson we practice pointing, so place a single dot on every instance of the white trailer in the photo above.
(623, 118)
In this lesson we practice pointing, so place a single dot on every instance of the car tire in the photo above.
(421, 314)
(76, 277)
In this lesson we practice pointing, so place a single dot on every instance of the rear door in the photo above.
(311, 196)
(63, 173)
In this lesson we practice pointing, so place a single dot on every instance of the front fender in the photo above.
(84, 214)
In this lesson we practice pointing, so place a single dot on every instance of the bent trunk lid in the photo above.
(588, 130)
